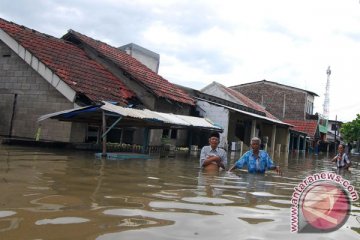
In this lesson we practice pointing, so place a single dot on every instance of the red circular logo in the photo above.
(325, 206)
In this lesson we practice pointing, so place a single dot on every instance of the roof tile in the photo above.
(138, 71)
(71, 64)
(306, 126)
(247, 101)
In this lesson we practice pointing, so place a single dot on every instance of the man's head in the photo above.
(255, 143)
(214, 139)
(341, 148)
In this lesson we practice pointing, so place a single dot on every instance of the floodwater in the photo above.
(62, 194)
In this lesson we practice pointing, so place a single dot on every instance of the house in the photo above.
(333, 133)
(303, 134)
(291, 105)
(155, 92)
(42, 74)
(240, 117)
(284, 102)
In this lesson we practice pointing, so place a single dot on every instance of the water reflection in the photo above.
(62, 194)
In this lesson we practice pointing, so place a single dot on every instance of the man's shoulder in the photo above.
(247, 153)
(220, 150)
(205, 147)
(263, 152)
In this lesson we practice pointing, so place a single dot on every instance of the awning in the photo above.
(131, 117)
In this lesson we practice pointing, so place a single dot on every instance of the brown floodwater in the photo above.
(63, 194)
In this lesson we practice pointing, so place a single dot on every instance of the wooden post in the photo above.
(104, 136)
(190, 136)
(146, 140)
(298, 143)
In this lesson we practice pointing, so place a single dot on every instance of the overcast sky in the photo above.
(290, 42)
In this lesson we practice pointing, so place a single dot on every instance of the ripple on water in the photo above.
(207, 200)
(62, 220)
(6, 213)
(263, 194)
(281, 201)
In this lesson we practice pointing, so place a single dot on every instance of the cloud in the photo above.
(229, 41)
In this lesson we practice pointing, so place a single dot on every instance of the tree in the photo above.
(351, 130)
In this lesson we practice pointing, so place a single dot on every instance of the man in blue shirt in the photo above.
(212, 157)
(257, 161)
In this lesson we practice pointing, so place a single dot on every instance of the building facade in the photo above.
(241, 118)
(282, 101)
(41, 74)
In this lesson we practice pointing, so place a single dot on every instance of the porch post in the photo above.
(104, 136)
(146, 140)
(253, 128)
(273, 136)
(298, 143)
(287, 141)
(304, 144)
(190, 136)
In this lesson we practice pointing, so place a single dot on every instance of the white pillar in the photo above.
(273, 136)
(287, 145)
(253, 128)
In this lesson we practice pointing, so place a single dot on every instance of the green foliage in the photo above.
(351, 130)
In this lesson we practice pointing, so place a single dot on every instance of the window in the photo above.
(309, 107)
(166, 133)
(173, 134)
(169, 133)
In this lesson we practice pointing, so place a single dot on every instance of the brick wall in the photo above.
(272, 97)
(34, 97)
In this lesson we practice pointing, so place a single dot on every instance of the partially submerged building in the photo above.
(154, 92)
(291, 105)
(41, 74)
(241, 118)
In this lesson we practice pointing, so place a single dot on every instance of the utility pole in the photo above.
(327, 98)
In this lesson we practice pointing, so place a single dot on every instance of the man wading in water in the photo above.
(257, 161)
(212, 157)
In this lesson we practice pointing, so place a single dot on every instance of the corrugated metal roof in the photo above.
(146, 115)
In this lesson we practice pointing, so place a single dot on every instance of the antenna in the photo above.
(327, 98)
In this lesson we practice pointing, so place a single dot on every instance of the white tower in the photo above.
(327, 98)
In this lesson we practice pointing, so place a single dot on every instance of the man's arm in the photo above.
(271, 165)
(223, 160)
(202, 156)
(211, 159)
(347, 161)
(239, 163)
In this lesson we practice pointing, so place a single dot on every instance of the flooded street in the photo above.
(63, 194)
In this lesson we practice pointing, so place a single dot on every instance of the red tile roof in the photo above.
(138, 71)
(71, 64)
(306, 126)
(247, 101)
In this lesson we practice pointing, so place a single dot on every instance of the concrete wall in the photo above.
(34, 97)
(143, 55)
(218, 115)
(282, 102)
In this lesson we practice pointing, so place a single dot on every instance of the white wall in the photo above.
(218, 115)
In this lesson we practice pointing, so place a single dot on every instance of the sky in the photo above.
(232, 42)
